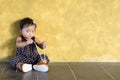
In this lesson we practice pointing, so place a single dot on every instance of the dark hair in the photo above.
(27, 21)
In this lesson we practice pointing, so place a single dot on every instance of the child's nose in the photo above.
(31, 33)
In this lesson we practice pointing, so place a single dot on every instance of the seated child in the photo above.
(27, 56)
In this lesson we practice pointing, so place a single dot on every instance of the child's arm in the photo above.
(40, 44)
(19, 42)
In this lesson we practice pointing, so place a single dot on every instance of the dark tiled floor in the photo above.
(65, 71)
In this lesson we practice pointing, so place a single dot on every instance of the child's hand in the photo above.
(44, 61)
(44, 44)
(29, 41)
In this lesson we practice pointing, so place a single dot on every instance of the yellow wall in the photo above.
(76, 30)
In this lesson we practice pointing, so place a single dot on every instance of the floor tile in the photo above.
(2, 65)
(113, 69)
(59, 71)
(89, 71)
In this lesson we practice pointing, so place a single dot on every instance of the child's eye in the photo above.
(32, 31)
(27, 31)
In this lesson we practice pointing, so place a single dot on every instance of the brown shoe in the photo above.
(24, 67)
(41, 66)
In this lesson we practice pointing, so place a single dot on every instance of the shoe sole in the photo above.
(26, 67)
(42, 68)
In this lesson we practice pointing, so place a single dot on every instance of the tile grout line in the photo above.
(37, 76)
(3, 69)
(72, 71)
(107, 72)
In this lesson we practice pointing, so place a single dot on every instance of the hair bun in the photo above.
(34, 22)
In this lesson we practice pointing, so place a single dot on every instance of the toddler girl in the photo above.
(27, 56)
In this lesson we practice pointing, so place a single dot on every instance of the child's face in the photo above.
(28, 31)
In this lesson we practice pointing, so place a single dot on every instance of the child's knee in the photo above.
(12, 62)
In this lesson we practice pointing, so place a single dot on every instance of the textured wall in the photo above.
(76, 30)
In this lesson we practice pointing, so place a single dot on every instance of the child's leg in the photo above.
(24, 67)
(15, 62)
(41, 67)
(44, 58)
(42, 64)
